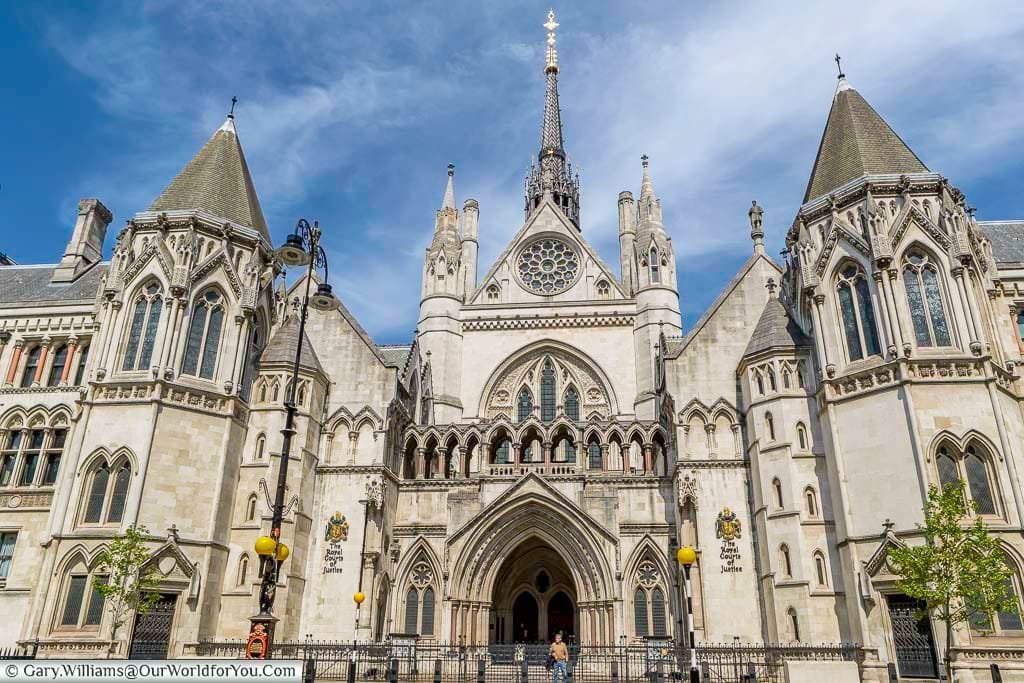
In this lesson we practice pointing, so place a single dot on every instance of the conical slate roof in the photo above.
(281, 348)
(775, 330)
(856, 142)
(217, 180)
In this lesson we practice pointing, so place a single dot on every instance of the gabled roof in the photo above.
(217, 180)
(1007, 238)
(33, 284)
(857, 142)
(281, 348)
(775, 330)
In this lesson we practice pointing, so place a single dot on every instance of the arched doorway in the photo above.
(534, 596)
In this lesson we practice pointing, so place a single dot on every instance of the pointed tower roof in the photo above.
(449, 191)
(281, 348)
(217, 180)
(553, 174)
(650, 224)
(775, 330)
(856, 142)
(446, 224)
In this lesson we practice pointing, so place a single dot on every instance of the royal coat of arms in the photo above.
(728, 526)
(337, 529)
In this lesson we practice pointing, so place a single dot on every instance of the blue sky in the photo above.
(350, 111)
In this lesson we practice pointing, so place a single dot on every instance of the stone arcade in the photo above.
(532, 459)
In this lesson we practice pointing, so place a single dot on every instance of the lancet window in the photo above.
(204, 335)
(857, 313)
(973, 466)
(138, 352)
(420, 601)
(924, 298)
(649, 602)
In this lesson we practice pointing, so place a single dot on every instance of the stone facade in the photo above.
(532, 460)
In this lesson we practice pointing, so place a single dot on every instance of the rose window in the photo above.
(548, 266)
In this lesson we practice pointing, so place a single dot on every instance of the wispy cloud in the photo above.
(350, 112)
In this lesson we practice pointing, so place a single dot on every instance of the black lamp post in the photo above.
(302, 248)
(686, 557)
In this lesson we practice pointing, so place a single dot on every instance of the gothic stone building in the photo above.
(531, 461)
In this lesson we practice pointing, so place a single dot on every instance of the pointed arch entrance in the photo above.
(534, 596)
(532, 535)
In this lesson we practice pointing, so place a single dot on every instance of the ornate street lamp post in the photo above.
(302, 248)
(686, 557)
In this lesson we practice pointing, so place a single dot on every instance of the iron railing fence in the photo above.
(25, 651)
(408, 662)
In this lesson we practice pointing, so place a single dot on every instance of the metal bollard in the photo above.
(309, 671)
(393, 670)
(615, 671)
(996, 676)
(524, 675)
(481, 670)
(351, 678)
(892, 672)
(437, 671)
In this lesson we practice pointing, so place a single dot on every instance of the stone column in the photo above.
(965, 303)
(890, 333)
(68, 360)
(353, 438)
(581, 455)
(624, 449)
(12, 371)
(485, 457)
(45, 345)
(421, 457)
(648, 462)
(604, 456)
(517, 449)
(547, 453)
(819, 336)
(109, 340)
(440, 457)
(889, 298)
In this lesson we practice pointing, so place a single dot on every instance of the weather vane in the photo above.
(839, 66)
(234, 101)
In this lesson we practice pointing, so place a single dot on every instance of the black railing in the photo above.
(525, 663)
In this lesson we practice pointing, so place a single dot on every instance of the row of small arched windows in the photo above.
(810, 499)
(59, 372)
(803, 441)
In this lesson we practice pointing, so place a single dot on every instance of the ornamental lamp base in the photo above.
(261, 636)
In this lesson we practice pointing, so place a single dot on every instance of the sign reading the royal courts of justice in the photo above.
(728, 528)
(335, 532)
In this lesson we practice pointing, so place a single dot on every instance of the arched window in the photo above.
(420, 601)
(138, 351)
(107, 494)
(250, 508)
(594, 456)
(412, 605)
(787, 564)
(972, 467)
(427, 624)
(777, 489)
(786, 380)
(857, 313)
(603, 290)
(801, 436)
(83, 356)
(275, 391)
(658, 612)
(812, 502)
(769, 425)
(800, 376)
(978, 483)
(794, 624)
(243, 570)
(261, 445)
(301, 398)
(493, 293)
(28, 376)
(83, 604)
(771, 380)
(760, 382)
(60, 360)
(425, 409)
(655, 266)
(640, 613)
(547, 392)
(924, 298)
(525, 404)
(204, 335)
(502, 451)
(572, 404)
(820, 571)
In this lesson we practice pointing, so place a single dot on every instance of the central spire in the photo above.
(553, 174)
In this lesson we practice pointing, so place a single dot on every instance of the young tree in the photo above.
(126, 589)
(960, 573)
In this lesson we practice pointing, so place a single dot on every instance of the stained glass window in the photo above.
(977, 481)
(525, 403)
(857, 313)
(204, 336)
(924, 298)
(640, 613)
(867, 314)
(850, 322)
(594, 454)
(572, 404)
(547, 392)
(142, 333)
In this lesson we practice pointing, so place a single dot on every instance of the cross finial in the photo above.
(552, 56)
(839, 65)
(451, 169)
(551, 24)
(234, 101)
(643, 160)
(888, 524)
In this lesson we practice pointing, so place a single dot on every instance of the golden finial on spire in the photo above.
(551, 25)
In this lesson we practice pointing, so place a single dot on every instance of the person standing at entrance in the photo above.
(560, 653)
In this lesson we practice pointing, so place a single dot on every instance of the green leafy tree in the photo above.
(960, 573)
(125, 587)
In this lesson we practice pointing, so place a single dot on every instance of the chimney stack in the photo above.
(86, 245)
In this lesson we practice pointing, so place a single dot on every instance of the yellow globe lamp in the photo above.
(282, 552)
(686, 556)
(264, 546)
(359, 597)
